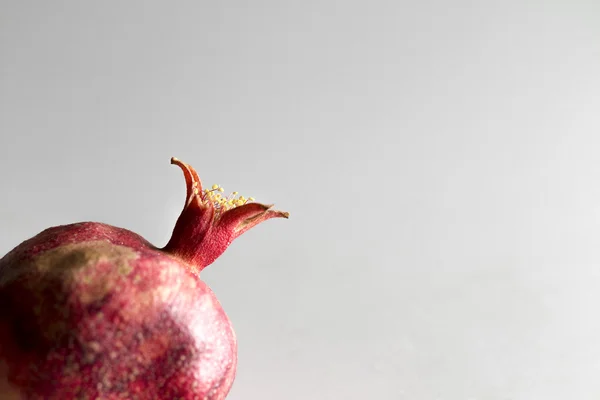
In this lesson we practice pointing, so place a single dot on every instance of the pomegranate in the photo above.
(92, 311)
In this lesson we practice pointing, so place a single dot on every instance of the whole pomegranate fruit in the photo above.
(92, 311)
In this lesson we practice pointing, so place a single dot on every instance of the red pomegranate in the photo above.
(92, 311)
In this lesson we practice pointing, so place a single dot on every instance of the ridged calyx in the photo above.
(210, 221)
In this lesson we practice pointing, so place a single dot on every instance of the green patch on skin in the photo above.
(125, 269)
(83, 272)
(97, 281)
(64, 258)
(79, 259)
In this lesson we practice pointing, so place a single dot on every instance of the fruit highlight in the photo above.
(92, 311)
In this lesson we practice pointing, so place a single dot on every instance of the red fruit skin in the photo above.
(91, 311)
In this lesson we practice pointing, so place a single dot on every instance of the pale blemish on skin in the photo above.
(79, 262)
(78, 255)
(95, 266)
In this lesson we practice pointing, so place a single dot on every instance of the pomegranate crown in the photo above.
(210, 221)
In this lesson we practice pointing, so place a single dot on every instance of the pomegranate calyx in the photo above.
(209, 221)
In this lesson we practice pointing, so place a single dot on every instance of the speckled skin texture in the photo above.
(90, 311)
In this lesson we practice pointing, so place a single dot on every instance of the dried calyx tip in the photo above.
(214, 194)
(284, 214)
(210, 221)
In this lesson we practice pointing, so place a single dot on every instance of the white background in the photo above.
(440, 161)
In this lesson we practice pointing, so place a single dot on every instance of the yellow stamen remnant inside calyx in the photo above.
(222, 203)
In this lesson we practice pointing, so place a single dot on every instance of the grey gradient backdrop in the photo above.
(440, 160)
